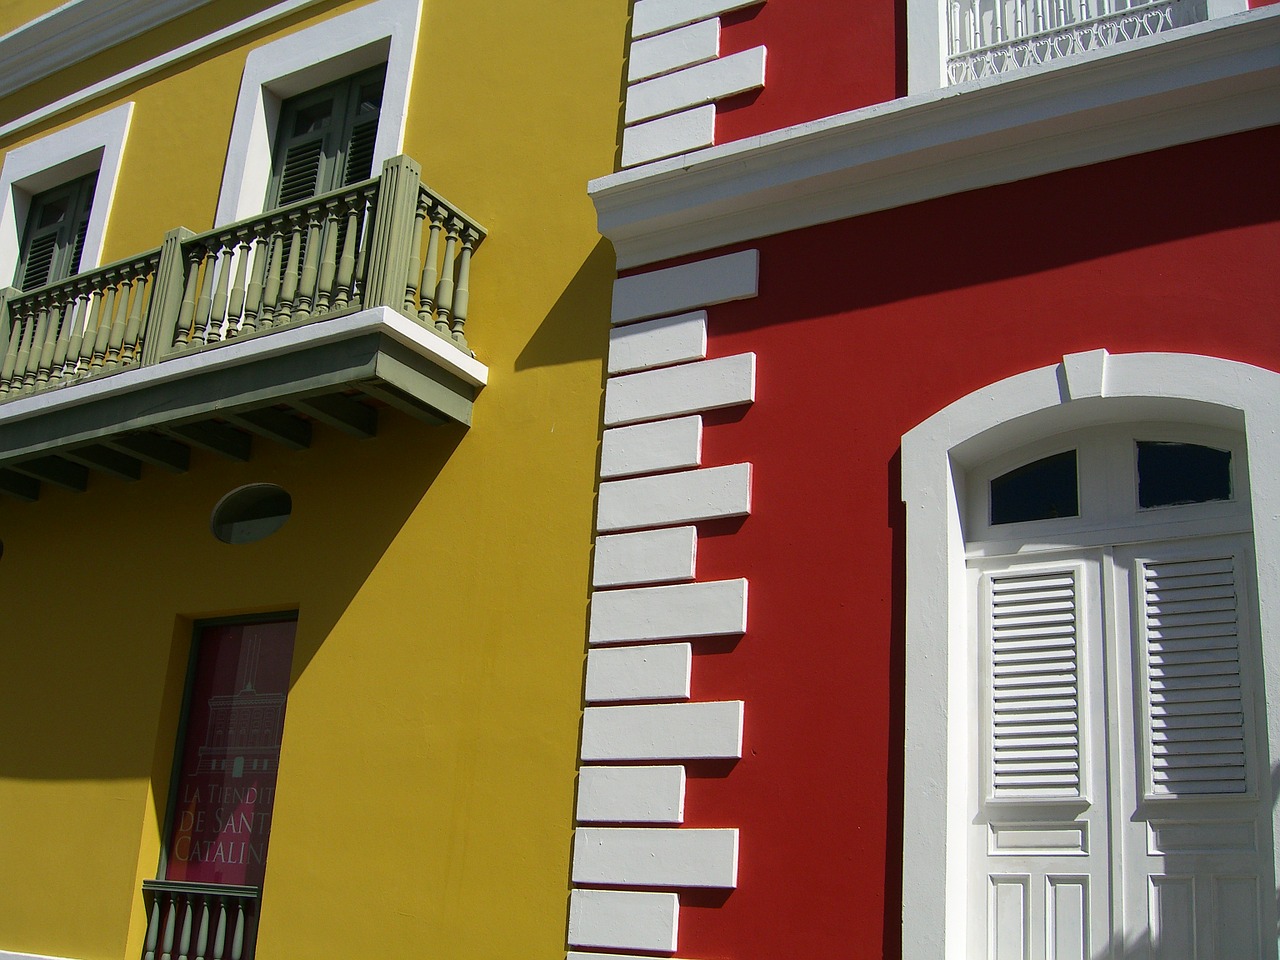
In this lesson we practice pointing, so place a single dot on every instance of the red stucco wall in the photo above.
(862, 329)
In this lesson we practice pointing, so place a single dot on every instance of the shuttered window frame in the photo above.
(52, 252)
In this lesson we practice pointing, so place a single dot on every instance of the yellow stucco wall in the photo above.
(440, 576)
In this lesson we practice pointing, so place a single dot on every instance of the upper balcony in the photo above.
(317, 312)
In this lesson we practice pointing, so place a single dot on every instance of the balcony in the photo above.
(988, 38)
(199, 921)
(321, 312)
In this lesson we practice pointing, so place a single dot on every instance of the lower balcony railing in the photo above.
(105, 336)
(199, 921)
(992, 37)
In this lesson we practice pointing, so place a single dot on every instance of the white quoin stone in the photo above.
(658, 343)
(675, 498)
(663, 731)
(648, 794)
(649, 556)
(624, 919)
(711, 609)
(649, 672)
(656, 857)
(688, 388)
(651, 447)
(734, 276)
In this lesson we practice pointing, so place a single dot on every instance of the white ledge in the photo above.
(1206, 80)
(76, 31)
(236, 352)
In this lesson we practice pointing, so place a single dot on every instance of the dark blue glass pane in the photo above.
(1173, 473)
(1038, 491)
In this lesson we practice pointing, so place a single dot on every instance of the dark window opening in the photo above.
(1041, 490)
(1170, 474)
(53, 239)
(251, 513)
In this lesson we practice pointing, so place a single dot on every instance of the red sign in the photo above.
(227, 780)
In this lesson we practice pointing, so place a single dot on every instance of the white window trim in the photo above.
(1083, 390)
(927, 40)
(383, 32)
(93, 144)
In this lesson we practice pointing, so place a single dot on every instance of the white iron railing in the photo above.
(992, 37)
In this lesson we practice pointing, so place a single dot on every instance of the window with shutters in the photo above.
(1118, 800)
(53, 239)
(325, 139)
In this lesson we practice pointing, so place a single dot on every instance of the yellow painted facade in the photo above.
(439, 574)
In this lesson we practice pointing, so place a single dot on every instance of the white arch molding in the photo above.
(1083, 390)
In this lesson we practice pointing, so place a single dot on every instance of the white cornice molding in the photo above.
(1203, 81)
(76, 30)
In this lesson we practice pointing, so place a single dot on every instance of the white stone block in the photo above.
(685, 47)
(714, 609)
(651, 16)
(650, 672)
(663, 731)
(631, 794)
(694, 86)
(624, 919)
(575, 955)
(669, 135)
(688, 388)
(675, 498)
(650, 556)
(651, 447)
(656, 857)
(734, 276)
(658, 343)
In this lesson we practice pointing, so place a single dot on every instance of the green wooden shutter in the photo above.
(53, 240)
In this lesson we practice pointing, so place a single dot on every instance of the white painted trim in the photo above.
(927, 40)
(125, 77)
(688, 388)
(631, 794)
(694, 86)
(652, 16)
(674, 498)
(663, 731)
(650, 556)
(650, 447)
(685, 47)
(659, 671)
(237, 352)
(656, 857)
(624, 918)
(9, 955)
(1146, 386)
(658, 343)
(385, 31)
(713, 608)
(668, 136)
(1183, 85)
(93, 144)
(734, 276)
(76, 31)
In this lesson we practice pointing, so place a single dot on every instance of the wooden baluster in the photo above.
(204, 301)
(362, 265)
(153, 930)
(328, 262)
(186, 314)
(184, 931)
(116, 342)
(44, 367)
(237, 938)
(271, 296)
(170, 922)
(289, 286)
(347, 261)
(220, 931)
(133, 333)
(103, 330)
(16, 333)
(24, 374)
(253, 300)
(218, 307)
(462, 297)
(235, 308)
(310, 263)
(202, 931)
(431, 268)
(84, 312)
(444, 292)
(415, 254)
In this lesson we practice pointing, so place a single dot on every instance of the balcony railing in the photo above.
(357, 247)
(993, 37)
(199, 921)
(322, 312)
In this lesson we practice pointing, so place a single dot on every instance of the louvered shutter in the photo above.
(1034, 684)
(53, 241)
(1195, 708)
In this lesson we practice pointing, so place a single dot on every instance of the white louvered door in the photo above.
(1116, 807)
